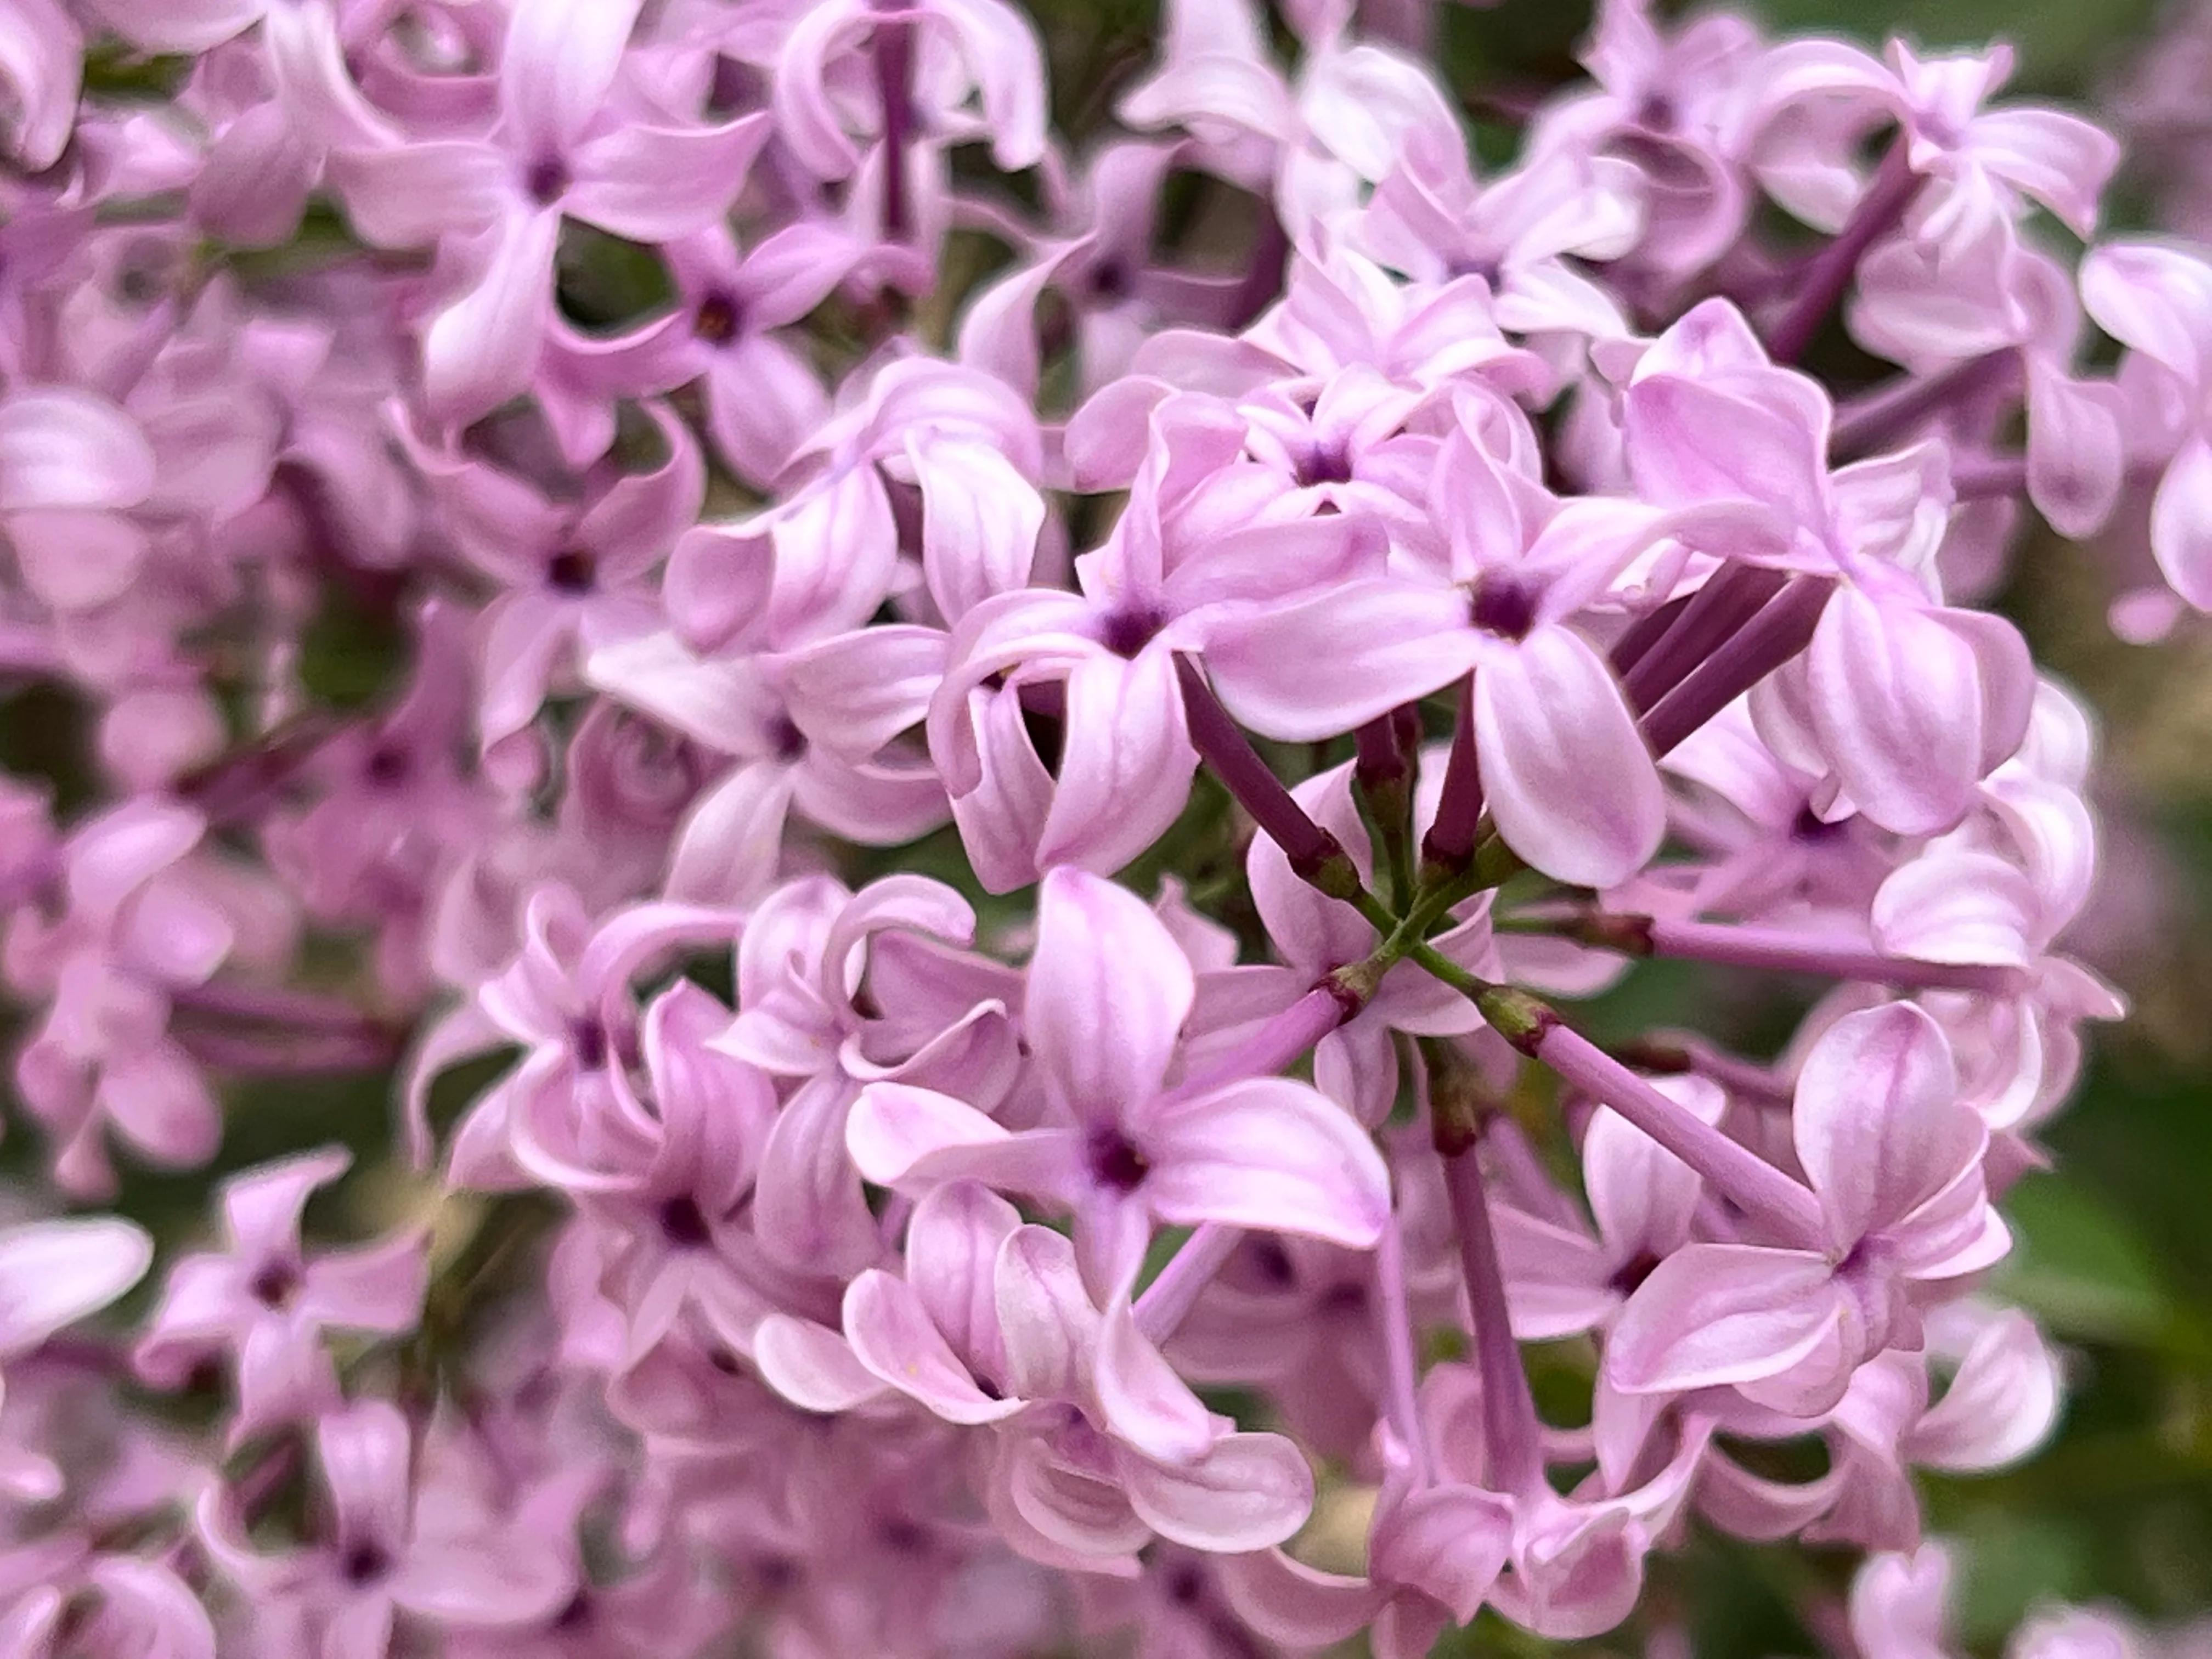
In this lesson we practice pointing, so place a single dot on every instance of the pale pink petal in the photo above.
(979, 519)
(1322, 665)
(1144, 1402)
(1450, 1542)
(2001, 1404)
(1897, 700)
(1878, 1124)
(808, 1208)
(1717, 1314)
(2181, 523)
(1267, 1152)
(53, 1272)
(811, 1365)
(415, 195)
(61, 447)
(952, 1245)
(1046, 1318)
(1125, 761)
(893, 1336)
(482, 349)
(1569, 777)
(559, 60)
(1250, 1492)
(654, 184)
(2076, 452)
(1108, 992)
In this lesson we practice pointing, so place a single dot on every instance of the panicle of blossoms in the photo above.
(967, 874)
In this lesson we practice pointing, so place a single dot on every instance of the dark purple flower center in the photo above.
(683, 1224)
(1325, 464)
(1810, 826)
(365, 1563)
(788, 741)
(719, 318)
(572, 570)
(1130, 629)
(1109, 279)
(1504, 606)
(275, 1285)
(547, 181)
(387, 764)
(1272, 1263)
(1116, 1162)
(1633, 1271)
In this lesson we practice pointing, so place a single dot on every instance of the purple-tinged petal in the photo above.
(53, 1272)
(482, 349)
(730, 842)
(1143, 1403)
(853, 693)
(366, 1454)
(1878, 1124)
(1569, 776)
(1125, 761)
(1321, 666)
(979, 519)
(1449, 1542)
(2001, 1405)
(178, 26)
(1300, 1606)
(261, 1207)
(893, 1336)
(811, 1365)
(1250, 1492)
(41, 63)
(2076, 452)
(952, 1245)
(1108, 992)
(655, 184)
(61, 447)
(808, 1209)
(160, 1102)
(416, 195)
(1717, 1314)
(2181, 523)
(2155, 299)
(557, 66)
(1957, 907)
(378, 1288)
(1897, 699)
(898, 1133)
(1267, 1152)
(1046, 1318)
(1002, 816)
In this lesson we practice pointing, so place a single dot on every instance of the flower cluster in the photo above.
(1006, 755)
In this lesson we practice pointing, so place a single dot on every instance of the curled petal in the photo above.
(1716, 1314)
(1250, 1492)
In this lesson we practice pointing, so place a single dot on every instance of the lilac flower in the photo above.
(1152, 591)
(265, 1304)
(135, 929)
(389, 1550)
(863, 1245)
(495, 204)
(1123, 1150)
(1895, 1160)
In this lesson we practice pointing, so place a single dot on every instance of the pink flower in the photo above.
(1123, 1150)
(264, 1304)
(1895, 1160)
